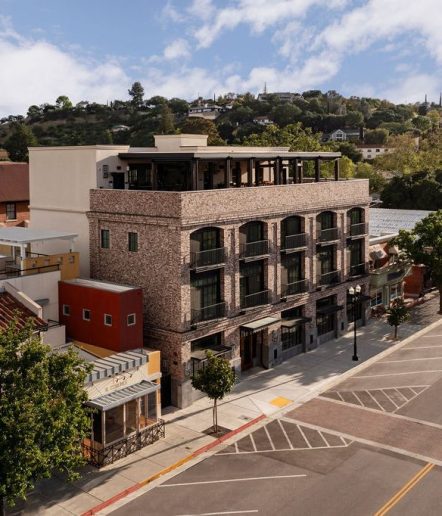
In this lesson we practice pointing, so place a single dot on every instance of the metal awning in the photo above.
(116, 398)
(117, 363)
(259, 324)
(326, 310)
(289, 323)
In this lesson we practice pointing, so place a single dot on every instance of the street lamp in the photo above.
(355, 296)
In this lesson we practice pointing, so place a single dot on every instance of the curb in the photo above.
(168, 469)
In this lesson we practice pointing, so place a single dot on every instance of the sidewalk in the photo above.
(259, 392)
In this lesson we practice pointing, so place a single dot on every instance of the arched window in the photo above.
(253, 239)
(293, 233)
(326, 226)
(355, 221)
(206, 247)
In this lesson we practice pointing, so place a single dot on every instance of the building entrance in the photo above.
(251, 349)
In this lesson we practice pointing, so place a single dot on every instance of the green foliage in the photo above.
(137, 93)
(167, 125)
(397, 314)
(215, 379)
(350, 150)
(366, 171)
(423, 123)
(418, 191)
(377, 136)
(203, 126)
(43, 418)
(285, 114)
(293, 136)
(18, 142)
(63, 102)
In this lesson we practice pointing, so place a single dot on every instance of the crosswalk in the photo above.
(389, 399)
(282, 435)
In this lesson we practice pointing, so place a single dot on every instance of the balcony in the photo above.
(359, 229)
(199, 358)
(330, 278)
(293, 242)
(358, 270)
(100, 457)
(254, 249)
(208, 258)
(208, 312)
(328, 235)
(297, 287)
(256, 299)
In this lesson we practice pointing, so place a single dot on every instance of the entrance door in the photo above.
(251, 347)
(118, 180)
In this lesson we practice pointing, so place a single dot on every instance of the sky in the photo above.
(95, 49)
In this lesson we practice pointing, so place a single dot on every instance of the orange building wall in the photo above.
(22, 211)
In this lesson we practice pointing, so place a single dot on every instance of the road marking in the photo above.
(280, 401)
(389, 398)
(304, 437)
(285, 433)
(324, 439)
(369, 442)
(253, 441)
(400, 394)
(344, 445)
(397, 374)
(231, 480)
(405, 489)
(221, 513)
(269, 438)
(408, 360)
(423, 347)
(376, 401)
(357, 398)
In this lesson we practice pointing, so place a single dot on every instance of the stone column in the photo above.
(228, 172)
(337, 170)
(317, 170)
(250, 166)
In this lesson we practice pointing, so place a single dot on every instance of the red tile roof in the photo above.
(14, 181)
(10, 308)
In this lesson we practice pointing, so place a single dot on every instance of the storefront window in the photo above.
(97, 427)
(114, 424)
(152, 407)
(131, 416)
(376, 298)
(395, 291)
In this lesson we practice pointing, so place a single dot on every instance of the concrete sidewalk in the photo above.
(259, 392)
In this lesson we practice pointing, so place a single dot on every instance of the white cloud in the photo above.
(412, 89)
(177, 49)
(34, 72)
(202, 9)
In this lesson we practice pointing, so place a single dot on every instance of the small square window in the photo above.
(133, 242)
(131, 319)
(105, 239)
(107, 320)
(66, 310)
(11, 211)
(86, 314)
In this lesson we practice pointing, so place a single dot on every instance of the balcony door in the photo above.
(205, 291)
(251, 280)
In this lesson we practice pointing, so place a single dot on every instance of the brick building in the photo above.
(14, 193)
(243, 250)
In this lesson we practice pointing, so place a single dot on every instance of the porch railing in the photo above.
(250, 249)
(124, 447)
(329, 278)
(208, 257)
(296, 287)
(359, 229)
(295, 241)
(208, 312)
(328, 235)
(256, 299)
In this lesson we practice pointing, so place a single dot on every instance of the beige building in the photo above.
(246, 251)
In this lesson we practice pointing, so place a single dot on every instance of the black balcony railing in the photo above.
(296, 287)
(208, 257)
(219, 351)
(328, 235)
(124, 447)
(250, 249)
(256, 299)
(358, 270)
(329, 278)
(295, 241)
(359, 229)
(207, 313)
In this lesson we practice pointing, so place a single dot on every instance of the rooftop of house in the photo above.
(385, 221)
(100, 285)
(16, 236)
(14, 181)
(11, 309)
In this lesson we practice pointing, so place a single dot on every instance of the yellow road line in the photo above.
(405, 489)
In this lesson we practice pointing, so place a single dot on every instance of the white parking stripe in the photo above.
(285, 434)
(221, 513)
(396, 374)
(341, 398)
(231, 480)
(375, 400)
(409, 360)
(236, 448)
(303, 435)
(269, 438)
(253, 442)
(389, 397)
(324, 439)
(344, 444)
(359, 400)
(400, 394)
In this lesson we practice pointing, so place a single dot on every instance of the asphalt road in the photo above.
(372, 445)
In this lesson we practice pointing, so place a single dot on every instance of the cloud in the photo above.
(177, 49)
(202, 9)
(412, 88)
(35, 71)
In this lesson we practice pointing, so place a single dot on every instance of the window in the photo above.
(327, 257)
(11, 211)
(86, 314)
(395, 291)
(66, 310)
(107, 320)
(131, 319)
(205, 289)
(376, 298)
(105, 239)
(133, 242)
(378, 150)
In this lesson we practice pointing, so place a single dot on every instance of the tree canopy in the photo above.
(18, 142)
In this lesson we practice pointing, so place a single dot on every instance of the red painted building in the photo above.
(14, 193)
(102, 314)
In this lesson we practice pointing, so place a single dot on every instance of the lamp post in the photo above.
(355, 295)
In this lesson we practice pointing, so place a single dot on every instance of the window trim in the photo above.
(8, 204)
(134, 315)
(102, 230)
(84, 314)
(104, 320)
(129, 242)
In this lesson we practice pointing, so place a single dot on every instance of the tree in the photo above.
(397, 314)
(137, 94)
(63, 102)
(167, 125)
(423, 123)
(350, 150)
(423, 245)
(195, 125)
(18, 142)
(293, 136)
(377, 136)
(285, 114)
(43, 417)
(215, 379)
(417, 191)
(376, 180)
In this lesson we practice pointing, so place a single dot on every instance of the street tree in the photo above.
(215, 379)
(423, 245)
(43, 417)
(18, 142)
(137, 93)
(397, 314)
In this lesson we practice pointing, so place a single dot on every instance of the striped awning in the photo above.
(116, 398)
(116, 363)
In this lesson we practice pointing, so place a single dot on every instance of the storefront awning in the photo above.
(116, 363)
(259, 324)
(289, 323)
(326, 310)
(116, 398)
